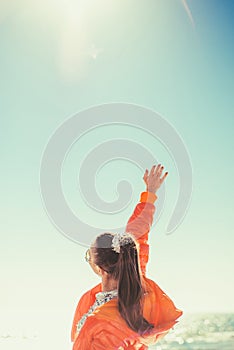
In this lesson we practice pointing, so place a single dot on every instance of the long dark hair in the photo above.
(123, 266)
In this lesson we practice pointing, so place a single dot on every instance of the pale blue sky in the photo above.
(56, 62)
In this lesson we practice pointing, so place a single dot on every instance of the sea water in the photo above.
(200, 332)
(193, 332)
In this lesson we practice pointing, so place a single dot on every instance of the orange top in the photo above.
(105, 328)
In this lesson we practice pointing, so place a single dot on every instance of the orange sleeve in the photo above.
(78, 313)
(140, 223)
(102, 333)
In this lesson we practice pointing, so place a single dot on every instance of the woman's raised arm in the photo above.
(141, 220)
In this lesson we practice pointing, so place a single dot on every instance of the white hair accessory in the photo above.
(120, 239)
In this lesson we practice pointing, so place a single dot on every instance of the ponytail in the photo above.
(118, 256)
(130, 290)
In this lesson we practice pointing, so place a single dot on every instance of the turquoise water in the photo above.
(200, 332)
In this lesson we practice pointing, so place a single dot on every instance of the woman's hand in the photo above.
(153, 180)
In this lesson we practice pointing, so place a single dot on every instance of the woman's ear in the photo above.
(96, 269)
(102, 272)
(99, 271)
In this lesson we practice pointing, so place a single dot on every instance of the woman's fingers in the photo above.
(152, 170)
(145, 177)
(160, 170)
(164, 176)
(156, 170)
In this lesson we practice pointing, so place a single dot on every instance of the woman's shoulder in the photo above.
(108, 311)
(88, 298)
(159, 305)
(84, 303)
(149, 285)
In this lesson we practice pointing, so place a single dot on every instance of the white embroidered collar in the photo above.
(107, 295)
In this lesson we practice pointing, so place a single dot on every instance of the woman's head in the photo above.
(103, 255)
(117, 255)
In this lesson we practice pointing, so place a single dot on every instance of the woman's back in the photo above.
(106, 329)
(140, 312)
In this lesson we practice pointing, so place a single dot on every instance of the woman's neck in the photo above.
(108, 284)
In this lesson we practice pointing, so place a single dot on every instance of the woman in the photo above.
(126, 310)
